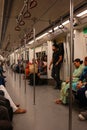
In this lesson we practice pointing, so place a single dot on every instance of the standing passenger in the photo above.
(56, 61)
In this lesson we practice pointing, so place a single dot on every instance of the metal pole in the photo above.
(25, 64)
(34, 66)
(15, 64)
(20, 69)
(71, 44)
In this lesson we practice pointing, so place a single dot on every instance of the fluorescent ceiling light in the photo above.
(50, 31)
(66, 22)
(41, 36)
(55, 28)
(82, 13)
(31, 42)
(16, 50)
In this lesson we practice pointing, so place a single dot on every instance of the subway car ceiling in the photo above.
(48, 17)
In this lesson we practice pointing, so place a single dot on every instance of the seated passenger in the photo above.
(81, 94)
(31, 73)
(16, 109)
(27, 69)
(65, 85)
(5, 103)
(82, 79)
(5, 123)
(2, 80)
(44, 66)
(2, 70)
(1, 67)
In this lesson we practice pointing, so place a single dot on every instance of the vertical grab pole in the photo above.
(20, 69)
(15, 63)
(71, 44)
(34, 67)
(25, 63)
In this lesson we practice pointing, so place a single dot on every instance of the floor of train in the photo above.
(45, 115)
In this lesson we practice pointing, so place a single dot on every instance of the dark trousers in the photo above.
(56, 74)
(5, 125)
(4, 113)
(81, 97)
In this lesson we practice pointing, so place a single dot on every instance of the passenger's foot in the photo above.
(20, 111)
(58, 101)
(81, 117)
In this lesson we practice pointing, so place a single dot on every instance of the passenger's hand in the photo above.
(79, 85)
(56, 64)
(67, 81)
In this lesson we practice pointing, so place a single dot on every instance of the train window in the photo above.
(42, 62)
(40, 54)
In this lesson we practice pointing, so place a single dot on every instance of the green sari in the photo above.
(65, 86)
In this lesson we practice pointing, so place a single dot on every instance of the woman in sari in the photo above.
(65, 85)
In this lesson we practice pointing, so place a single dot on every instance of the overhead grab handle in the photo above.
(33, 4)
(17, 28)
(27, 14)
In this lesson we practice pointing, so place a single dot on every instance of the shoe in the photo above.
(81, 117)
(20, 111)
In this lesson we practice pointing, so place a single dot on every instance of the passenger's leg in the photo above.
(8, 97)
(53, 72)
(81, 97)
(4, 113)
(5, 125)
(16, 110)
(62, 95)
(57, 76)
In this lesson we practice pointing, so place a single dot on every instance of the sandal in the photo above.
(20, 111)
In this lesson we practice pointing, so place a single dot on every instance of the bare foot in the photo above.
(58, 101)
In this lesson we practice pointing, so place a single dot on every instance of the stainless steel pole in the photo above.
(34, 99)
(71, 44)
(25, 64)
(20, 69)
(15, 64)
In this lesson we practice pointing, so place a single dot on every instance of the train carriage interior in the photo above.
(42, 41)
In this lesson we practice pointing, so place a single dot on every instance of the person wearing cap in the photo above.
(56, 61)
(65, 85)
